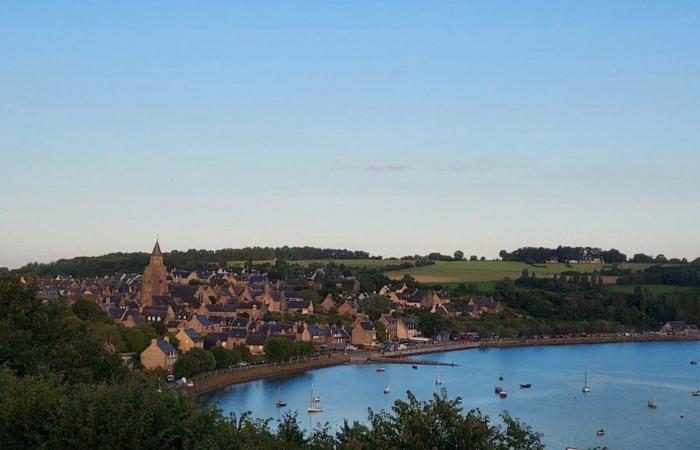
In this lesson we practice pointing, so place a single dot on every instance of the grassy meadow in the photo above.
(445, 272)
(473, 271)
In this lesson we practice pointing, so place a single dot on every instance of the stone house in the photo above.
(159, 355)
(363, 333)
(328, 305)
(189, 339)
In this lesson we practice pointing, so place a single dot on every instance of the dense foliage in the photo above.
(580, 297)
(562, 254)
(193, 259)
(683, 275)
(281, 349)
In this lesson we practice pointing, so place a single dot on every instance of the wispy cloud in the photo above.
(477, 166)
(388, 168)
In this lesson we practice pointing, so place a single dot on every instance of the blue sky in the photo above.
(394, 127)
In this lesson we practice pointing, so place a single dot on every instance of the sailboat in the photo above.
(499, 386)
(386, 386)
(280, 403)
(315, 403)
(585, 389)
(438, 381)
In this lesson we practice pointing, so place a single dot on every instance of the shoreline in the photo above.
(221, 381)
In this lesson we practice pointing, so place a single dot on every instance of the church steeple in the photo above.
(154, 277)
(156, 250)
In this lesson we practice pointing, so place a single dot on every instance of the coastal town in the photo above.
(232, 308)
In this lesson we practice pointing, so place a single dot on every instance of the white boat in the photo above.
(386, 386)
(280, 403)
(438, 381)
(600, 432)
(585, 389)
(315, 403)
(695, 393)
(651, 404)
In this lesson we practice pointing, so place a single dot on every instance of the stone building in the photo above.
(155, 278)
(159, 355)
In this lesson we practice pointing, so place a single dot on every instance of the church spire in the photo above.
(156, 250)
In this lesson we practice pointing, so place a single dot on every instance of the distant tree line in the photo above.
(562, 254)
(90, 266)
(583, 297)
(676, 275)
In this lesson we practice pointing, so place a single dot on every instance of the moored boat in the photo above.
(315, 403)
(695, 393)
(585, 389)
(503, 394)
(600, 432)
(651, 404)
(280, 403)
(526, 386)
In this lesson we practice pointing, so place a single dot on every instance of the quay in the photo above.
(217, 380)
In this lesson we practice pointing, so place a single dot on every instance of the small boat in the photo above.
(280, 403)
(585, 389)
(314, 405)
(314, 409)
(651, 404)
(526, 386)
(499, 386)
(386, 386)
(503, 394)
(600, 432)
(695, 393)
(694, 362)
(380, 369)
(438, 380)
(414, 366)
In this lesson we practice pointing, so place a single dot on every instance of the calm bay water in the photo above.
(623, 378)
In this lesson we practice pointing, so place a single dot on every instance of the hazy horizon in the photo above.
(395, 128)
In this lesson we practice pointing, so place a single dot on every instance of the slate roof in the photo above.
(156, 250)
(183, 291)
(204, 320)
(297, 304)
(166, 347)
(367, 325)
(256, 339)
(192, 334)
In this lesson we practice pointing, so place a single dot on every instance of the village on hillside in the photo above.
(232, 308)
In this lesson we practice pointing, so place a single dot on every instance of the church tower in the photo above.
(154, 277)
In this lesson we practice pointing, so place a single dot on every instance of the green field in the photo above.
(460, 271)
(378, 263)
(466, 271)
